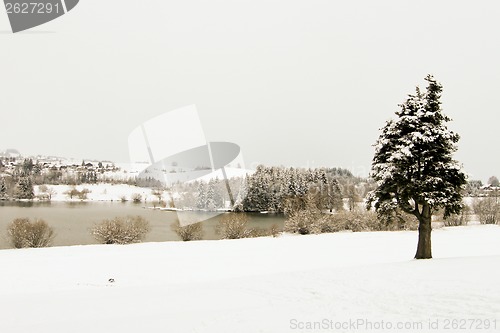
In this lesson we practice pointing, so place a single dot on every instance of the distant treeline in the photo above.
(274, 189)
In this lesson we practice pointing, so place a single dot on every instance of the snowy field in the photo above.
(101, 192)
(341, 282)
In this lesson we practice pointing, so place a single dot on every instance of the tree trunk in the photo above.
(424, 234)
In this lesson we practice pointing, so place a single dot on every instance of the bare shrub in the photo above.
(171, 203)
(462, 218)
(73, 192)
(293, 204)
(302, 222)
(311, 221)
(188, 232)
(304, 216)
(136, 198)
(83, 194)
(45, 193)
(158, 192)
(370, 221)
(274, 231)
(487, 209)
(391, 220)
(24, 233)
(256, 232)
(121, 230)
(333, 223)
(233, 226)
(355, 221)
(408, 222)
(123, 198)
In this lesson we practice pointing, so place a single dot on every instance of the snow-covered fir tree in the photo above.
(27, 166)
(24, 189)
(332, 194)
(3, 188)
(201, 198)
(213, 197)
(414, 166)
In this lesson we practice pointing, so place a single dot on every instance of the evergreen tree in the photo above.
(37, 168)
(3, 188)
(332, 198)
(201, 201)
(473, 187)
(413, 164)
(24, 188)
(257, 189)
(27, 166)
(210, 200)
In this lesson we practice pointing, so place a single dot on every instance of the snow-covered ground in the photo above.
(115, 192)
(101, 192)
(341, 282)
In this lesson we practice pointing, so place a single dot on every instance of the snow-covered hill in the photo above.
(342, 282)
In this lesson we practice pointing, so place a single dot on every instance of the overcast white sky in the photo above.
(293, 82)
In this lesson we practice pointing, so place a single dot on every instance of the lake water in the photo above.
(72, 220)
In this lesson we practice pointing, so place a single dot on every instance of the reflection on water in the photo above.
(24, 204)
(72, 220)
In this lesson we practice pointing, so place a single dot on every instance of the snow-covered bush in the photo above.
(233, 226)
(24, 233)
(188, 232)
(121, 230)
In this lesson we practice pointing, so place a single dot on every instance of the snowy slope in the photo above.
(253, 285)
(101, 192)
